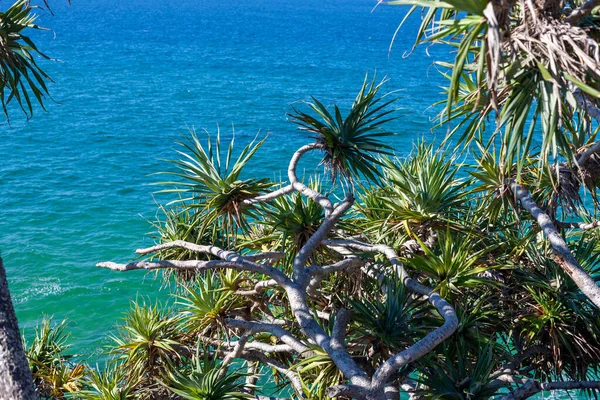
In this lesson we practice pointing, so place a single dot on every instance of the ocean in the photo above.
(131, 77)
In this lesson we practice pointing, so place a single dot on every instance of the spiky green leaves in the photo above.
(387, 324)
(455, 265)
(205, 308)
(351, 144)
(108, 384)
(147, 339)
(21, 78)
(529, 66)
(209, 183)
(207, 381)
(54, 374)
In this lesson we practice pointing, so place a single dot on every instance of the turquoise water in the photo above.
(133, 75)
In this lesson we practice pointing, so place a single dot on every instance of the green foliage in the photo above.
(318, 372)
(207, 381)
(458, 377)
(53, 373)
(387, 324)
(21, 78)
(424, 190)
(212, 187)
(147, 340)
(205, 307)
(454, 265)
(108, 384)
(351, 144)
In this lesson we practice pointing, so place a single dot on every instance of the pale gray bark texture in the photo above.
(571, 266)
(16, 382)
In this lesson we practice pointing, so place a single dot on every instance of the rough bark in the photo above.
(16, 382)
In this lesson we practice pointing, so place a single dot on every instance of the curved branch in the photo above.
(569, 263)
(269, 196)
(318, 273)
(342, 319)
(199, 265)
(291, 375)
(300, 274)
(323, 201)
(579, 225)
(239, 262)
(283, 335)
(431, 340)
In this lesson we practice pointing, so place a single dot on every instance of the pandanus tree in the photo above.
(530, 69)
(349, 148)
(441, 278)
(418, 277)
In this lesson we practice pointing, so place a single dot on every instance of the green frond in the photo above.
(351, 144)
(209, 184)
(21, 78)
(207, 381)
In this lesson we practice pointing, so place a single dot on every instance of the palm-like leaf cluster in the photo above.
(209, 184)
(207, 381)
(533, 65)
(54, 373)
(21, 78)
(352, 143)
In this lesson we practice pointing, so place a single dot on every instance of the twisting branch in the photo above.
(283, 335)
(269, 196)
(271, 256)
(505, 376)
(238, 348)
(431, 340)
(571, 266)
(258, 288)
(323, 201)
(198, 265)
(279, 367)
(300, 274)
(232, 260)
(532, 387)
(319, 273)
(340, 326)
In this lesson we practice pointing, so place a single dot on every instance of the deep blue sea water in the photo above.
(132, 77)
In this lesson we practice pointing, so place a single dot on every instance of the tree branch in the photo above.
(579, 225)
(338, 337)
(232, 260)
(300, 274)
(323, 201)
(431, 340)
(269, 196)
(199, 265)
(571, 266)
(319, 273)
(283, 335)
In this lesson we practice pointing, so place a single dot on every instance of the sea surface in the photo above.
(131, 77)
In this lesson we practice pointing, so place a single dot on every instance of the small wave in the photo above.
(40, 289)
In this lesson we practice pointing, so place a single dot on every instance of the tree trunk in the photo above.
(15, 377)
